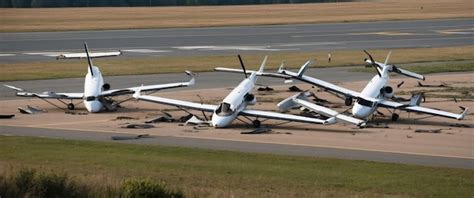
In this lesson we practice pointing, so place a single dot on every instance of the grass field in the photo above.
(210, 173)
(53, 19)
(171, 64)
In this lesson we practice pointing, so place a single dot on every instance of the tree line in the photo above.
(126, 3)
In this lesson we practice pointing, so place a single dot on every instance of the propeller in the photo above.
(89, 61)
(242, 65)
(373, 64)
(400, 84)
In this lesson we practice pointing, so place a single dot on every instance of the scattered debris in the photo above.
(31, 110)
(201, 127)
(75, 113)
(425, 85)
(377, 125)
(400, 84)
(317, 99)
(266, 88)
(163, 118)
(133, 137)
(187, 117)
(7, 116)
(460, 125)
(294, 89)
(125, 118)
(139, 126)
(193, 120)
(428, 130)
(258, 131)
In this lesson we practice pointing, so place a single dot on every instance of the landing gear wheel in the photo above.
(256, 123)
(395, 117)
(70, 106)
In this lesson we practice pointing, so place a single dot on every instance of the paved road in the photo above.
(279, 149)
(36, 46)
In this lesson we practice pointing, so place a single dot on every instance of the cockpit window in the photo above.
(90, 98)
(224, 109)
(365, 102)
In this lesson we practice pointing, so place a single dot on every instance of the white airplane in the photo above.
(373, 96)
(96, 95)
(234, 105)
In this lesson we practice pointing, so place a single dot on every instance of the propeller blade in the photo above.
(373, 63)
(89, 60)
(242, 65)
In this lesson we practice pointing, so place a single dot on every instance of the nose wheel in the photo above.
(70, 106)
(256, 123)
(395, 116)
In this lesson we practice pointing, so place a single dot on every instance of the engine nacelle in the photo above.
(386, 92)
(250, 99)
(105, 86)
(348, 101)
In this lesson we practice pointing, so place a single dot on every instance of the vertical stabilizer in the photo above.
(388, 57)
(262, 66)
(304, 67)
(89, 60)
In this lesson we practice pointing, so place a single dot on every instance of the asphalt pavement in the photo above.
(35, 46)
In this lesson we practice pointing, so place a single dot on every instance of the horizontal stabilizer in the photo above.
(92, 55)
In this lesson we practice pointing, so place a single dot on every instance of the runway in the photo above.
(247, 146)
(204, 80)
(36, 46)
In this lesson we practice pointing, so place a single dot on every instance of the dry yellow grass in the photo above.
(54, 19)
(173, 64)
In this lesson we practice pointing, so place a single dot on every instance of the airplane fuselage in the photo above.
(233, 103)
(92, 89)
(364, 108)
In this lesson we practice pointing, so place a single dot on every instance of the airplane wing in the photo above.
(329, 112)
(287, 117)
(92, 55)
(321, 83)
(46, 95)
(157, 87)
(419, 109)
(174, 102)
(269, 74)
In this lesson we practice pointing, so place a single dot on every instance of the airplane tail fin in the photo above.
(89, 60)
(388, 57)
(304, 67)
(262, 66)
(282, 67)
(192, 81)
(463, 114)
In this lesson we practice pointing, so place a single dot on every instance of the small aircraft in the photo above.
(375, 94)
(235, 105)
(96, 95)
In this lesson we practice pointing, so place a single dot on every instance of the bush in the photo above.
(147, 188)
(28, 183)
